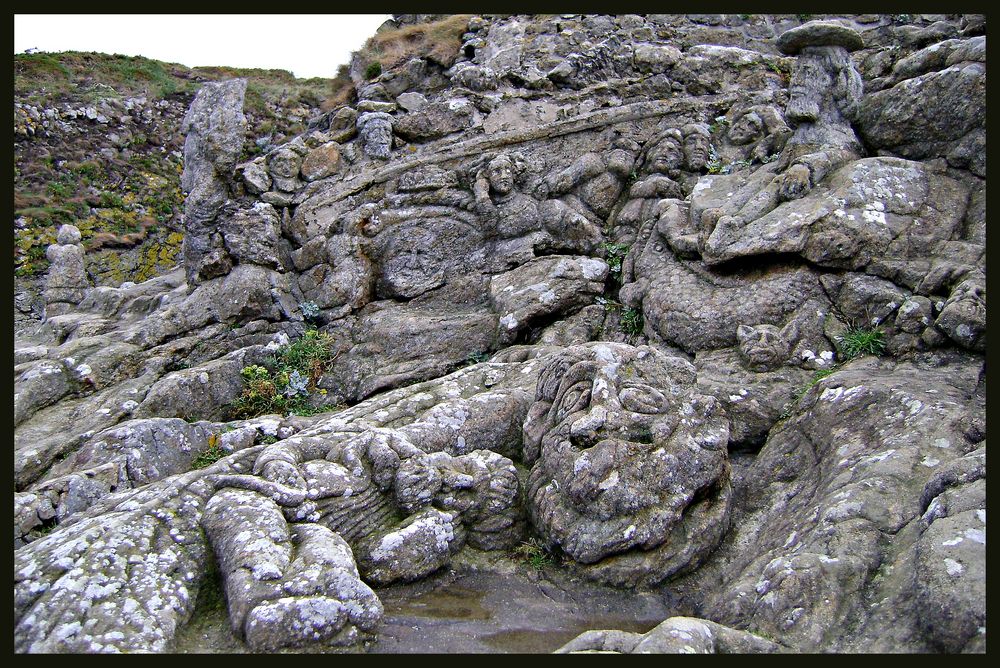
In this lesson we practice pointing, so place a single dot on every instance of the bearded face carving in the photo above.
(626, 457)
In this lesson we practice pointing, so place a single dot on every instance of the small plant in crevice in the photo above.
(615, 256)
(310, 311)
(718, 124)
(213, 454)
(373, 70)
(860, 341)
(534, 554)
(819, 375)
(287, 386)
(631, 320)
(477, 357)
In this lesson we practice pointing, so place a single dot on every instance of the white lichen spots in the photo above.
(735, 398)
(941, 443)
(203, 378)
(509, 321)
(976, 536)
(594, 269)
(827, 559)
(953, 568)
(826, 355)
(930, 462)
(547, 297)
(953, 542)
(981, 514)
(629, 532)
(874, 212)
(609, 482)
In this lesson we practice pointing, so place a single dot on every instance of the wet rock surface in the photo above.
(609, 334)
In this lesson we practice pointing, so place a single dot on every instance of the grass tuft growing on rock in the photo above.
(534, 554)
(438, 41)
(860, 341)
(210, 456)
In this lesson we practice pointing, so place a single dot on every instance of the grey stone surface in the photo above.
(479, 239)
(214, 130)
(676, 635)
(619, 483)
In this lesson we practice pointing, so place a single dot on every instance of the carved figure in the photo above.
(627, 460)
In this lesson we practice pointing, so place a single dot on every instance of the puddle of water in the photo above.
(493, 612)
(455, 602)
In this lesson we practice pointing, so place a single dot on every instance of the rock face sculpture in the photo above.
(823, 99)
(630, 477)
(567, 183)
(375, 130)
(763, 346)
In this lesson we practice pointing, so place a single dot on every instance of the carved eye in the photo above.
(642, 399)
(576, 398)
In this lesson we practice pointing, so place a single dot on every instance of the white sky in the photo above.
(309, 45)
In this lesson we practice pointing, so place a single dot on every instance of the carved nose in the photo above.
(584, 432)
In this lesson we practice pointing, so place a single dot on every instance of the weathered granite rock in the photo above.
(434, 120)
(544, 288)
(820, 537)
(620, 482)
(840, 512)
(676, 635)
(321, 162)
(214, 128)
(66, 282)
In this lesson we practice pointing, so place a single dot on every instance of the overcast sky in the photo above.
(307, 45)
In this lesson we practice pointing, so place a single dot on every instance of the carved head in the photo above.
(623, 447)
(697, 144)
(763, 347)
(375, 130)
(500, 172)
(746, 129)
(825, 85)
(665, 155)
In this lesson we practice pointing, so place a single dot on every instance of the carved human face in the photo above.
(748, 128)
(666, 157)
(696, 149)
(623, 445)
(501, 175)
(810, 83)
(762, 346)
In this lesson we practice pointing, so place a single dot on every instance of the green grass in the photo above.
(533, 554)
(860, 341)
(632, 322)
